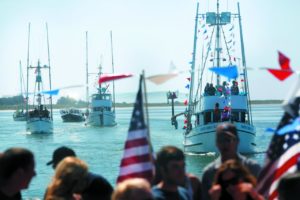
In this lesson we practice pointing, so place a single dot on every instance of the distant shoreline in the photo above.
(124, 104)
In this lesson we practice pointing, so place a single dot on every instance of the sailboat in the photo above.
(20, 114)
(39, 117)
(218, 102)
(101, 110)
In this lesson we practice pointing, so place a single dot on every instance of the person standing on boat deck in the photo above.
(170, 165)
(217, 113)
(16, 171)
(227, 141)
(98, 187)
(206, 89)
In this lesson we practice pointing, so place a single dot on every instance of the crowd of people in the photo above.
(230, 176)
(224, 89)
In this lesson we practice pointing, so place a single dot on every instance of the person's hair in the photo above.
(167, 154)
(70, 177)
(227, 127)
(127, 189)
(288, 187)
(12, 160)
(237, 168)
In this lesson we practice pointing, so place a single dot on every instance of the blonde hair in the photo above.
(70, 178)
(128, 189)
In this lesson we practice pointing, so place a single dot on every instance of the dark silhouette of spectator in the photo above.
(16, 171)
(133, 189)
(234, 182)
(171, 166)
(206, 89)
(69, 181)
(234, 88)
(227, 141)
(98, 187)
(217, 113)
(212, 90)
(288, 187)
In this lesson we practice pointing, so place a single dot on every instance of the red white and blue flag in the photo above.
(283, 153)
(137, 161)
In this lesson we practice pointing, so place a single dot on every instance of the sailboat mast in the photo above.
(218, 49)
(87, 71)
(190, 105)
(49, 67)
(27, 72)
(244, 66)
(113, 70)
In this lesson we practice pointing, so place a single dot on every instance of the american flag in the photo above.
(283, 153)
(137, 161)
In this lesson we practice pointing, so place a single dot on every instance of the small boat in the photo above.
(72, 115)
(217, 102)
(20, 114)
(39, 118)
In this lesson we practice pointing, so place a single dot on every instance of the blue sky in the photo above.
(147, 35)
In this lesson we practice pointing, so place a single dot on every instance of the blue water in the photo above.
(102, 148)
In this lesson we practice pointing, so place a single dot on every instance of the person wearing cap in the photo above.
(98, 187)
(59, 154)
(227, 141)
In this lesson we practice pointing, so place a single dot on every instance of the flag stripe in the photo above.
(136, 151)
(135, 159)
(138, 167)
(137, 134)
(135, 143)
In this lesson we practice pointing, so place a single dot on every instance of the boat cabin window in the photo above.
(207, 117)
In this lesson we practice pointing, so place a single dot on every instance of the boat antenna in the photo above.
(113, 70)
(190, 105)
(50, 83)
(87, 71)
(218, 48)
(244, 65)
(27, 73)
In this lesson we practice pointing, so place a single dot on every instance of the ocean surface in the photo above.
(102, 148)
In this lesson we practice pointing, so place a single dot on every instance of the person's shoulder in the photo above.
(157, 193)
(183, 193)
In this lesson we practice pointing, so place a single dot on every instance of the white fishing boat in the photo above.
(218, 102)
(39, 118)
(101, 110)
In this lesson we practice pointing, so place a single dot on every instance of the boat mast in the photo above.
(244, 65)
(190, 105)
(87, 72)
(218, 49)
(50, 83)
(21, 83)
(113, 70)
(27, 73)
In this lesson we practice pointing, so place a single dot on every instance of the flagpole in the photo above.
(146, 103)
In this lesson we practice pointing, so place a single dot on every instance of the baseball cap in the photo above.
(59, 154)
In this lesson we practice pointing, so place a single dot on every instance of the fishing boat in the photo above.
(72, 115)
(20, 114)
(219, 101)
(101, 110)
(39, 117)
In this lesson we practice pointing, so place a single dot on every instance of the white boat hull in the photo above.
(202, 139)
(105, 118)
(39, 125)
